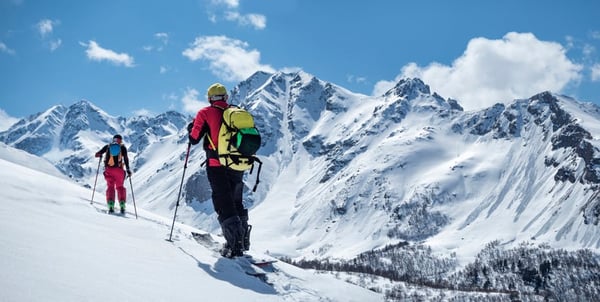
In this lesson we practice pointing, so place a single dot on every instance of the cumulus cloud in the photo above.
(6, 49)
(490, 71)
(229, 59)
(255, 20)
(96, 53)
(190, 101)
(596, 72)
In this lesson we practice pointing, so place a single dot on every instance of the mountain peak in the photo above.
(409, 88)
(83, 103)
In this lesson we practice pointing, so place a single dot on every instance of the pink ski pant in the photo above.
(115, 177)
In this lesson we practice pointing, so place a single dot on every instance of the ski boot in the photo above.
(233, 233)
(246, 228)
(111, 206)
(122, 205)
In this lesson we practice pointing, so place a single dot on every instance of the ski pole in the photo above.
(97, 171)
(133, 196)
(187, 155)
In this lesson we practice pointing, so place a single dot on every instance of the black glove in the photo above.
(98, 154)
(190, 126)
(193, 141)
(129, 173)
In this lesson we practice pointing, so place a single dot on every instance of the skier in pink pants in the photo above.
(116, 158)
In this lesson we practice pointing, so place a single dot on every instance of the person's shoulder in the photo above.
(205, 109)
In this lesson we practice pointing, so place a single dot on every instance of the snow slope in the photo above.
(56, 246)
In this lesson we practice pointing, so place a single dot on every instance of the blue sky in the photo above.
(133, 57)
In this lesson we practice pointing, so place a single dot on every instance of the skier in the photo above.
(226, 184)
(116, 158)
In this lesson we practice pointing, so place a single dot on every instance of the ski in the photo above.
(252, 266)
(206, 240)
(246, 264)
(115, 213)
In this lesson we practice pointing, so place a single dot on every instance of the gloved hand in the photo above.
(129, 173)
(189, 129)
(98, 154)
(192, 140)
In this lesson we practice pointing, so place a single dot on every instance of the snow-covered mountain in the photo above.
(346, 173)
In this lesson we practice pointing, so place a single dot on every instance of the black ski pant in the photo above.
(227, 187)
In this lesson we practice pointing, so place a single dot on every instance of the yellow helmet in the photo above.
(216, 91)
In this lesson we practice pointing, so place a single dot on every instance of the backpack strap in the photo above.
(210, 141)
(108, 157)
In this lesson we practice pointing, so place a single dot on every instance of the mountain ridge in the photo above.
(406, 166)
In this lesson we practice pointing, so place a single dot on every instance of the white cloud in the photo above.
(229, 59)
(228, 3)
(45, 27)
(596, 72)
(5, 49)
(96, 53)
(212, 18)
(292, 69)
(255, 20)
(232, 13)
(490, 71)
(55, 44)
(588, 50)
(163, 37)
(164, 41)
(143, 112)
(355, 79)
(191, 103)
(169, 96)
(6, 120)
